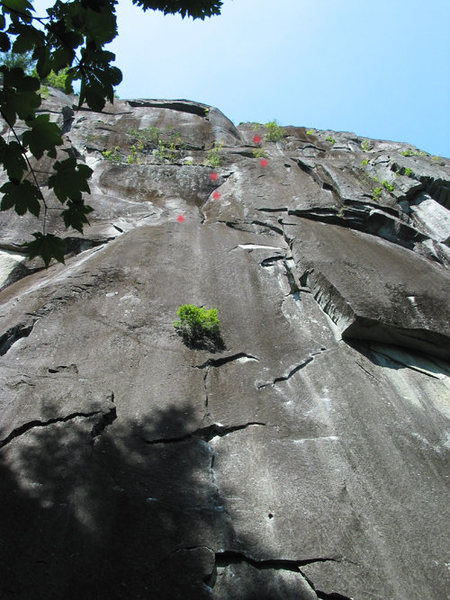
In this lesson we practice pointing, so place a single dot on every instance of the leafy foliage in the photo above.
(214, 156)
(330, 139)
(65, 46)
(274, 132)
(259, 153)
(387, 185)
(199, 327)
(377, 194)
(59, 80)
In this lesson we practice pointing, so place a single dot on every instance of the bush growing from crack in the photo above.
(214, 156)
(259, 153)
(112, 155)
(199, 327)
(274, 132)
(377, 194)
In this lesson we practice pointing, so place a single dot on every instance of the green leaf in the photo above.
(4, 42)
(43, 64)
(20, 6)
(75, 215)
(43, 135)
(197, 9)
(100, 26)
(28, 37)
(70, 180)
(12, 159)
(47, 247)
(22, 196)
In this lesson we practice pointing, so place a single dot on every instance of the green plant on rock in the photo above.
(274, 132)
(330, 139)
(259, 153)
(146, 139)
(364, 163)
(408, 152)
(199, 326)
(133, 158)
(366, 145)
(214, 156)
(112, 155)
(387, 185)
(408, 172)
(166, 151)
(310, 132)
(377, 194)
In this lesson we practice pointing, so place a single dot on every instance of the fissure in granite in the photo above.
(318, 430)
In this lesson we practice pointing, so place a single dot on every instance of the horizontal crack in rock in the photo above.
(36, 423)
(218, 362)
(205, 433)
(229, 557)
(292, 371)
(14, 334)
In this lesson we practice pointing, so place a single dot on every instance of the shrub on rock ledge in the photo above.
(199, 327)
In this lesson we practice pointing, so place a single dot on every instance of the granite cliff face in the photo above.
(305, 460)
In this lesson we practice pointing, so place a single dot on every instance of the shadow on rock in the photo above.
(204, 340)
(108, 510)
(109, 516)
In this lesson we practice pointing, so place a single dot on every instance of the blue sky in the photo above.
(380, 69)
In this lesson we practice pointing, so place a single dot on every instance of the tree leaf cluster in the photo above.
(70, 40)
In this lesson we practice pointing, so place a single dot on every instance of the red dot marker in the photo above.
(264, 162)
(180, 219)
(216, 195)
(257, 139)
(213, 176)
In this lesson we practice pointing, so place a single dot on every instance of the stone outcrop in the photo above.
(307, 458)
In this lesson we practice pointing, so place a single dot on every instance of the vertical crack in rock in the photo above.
(294, 283)
(205, 387)
(18, 431)
(14, 334)
(293, 371)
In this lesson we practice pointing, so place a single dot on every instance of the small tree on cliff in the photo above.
(70, 39)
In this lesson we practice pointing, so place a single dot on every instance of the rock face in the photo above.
(307, 458)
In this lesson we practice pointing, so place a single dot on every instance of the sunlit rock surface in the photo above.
(308, 458)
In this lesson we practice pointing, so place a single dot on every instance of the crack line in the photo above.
(14, 334)
(36, 423)
(205, 433)
(218, 362)
(292, 371)
(230, 557)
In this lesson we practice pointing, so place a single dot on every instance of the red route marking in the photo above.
(180, 219)
(213, 176)
(216, 195)
(264, 162)
(257, 139)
